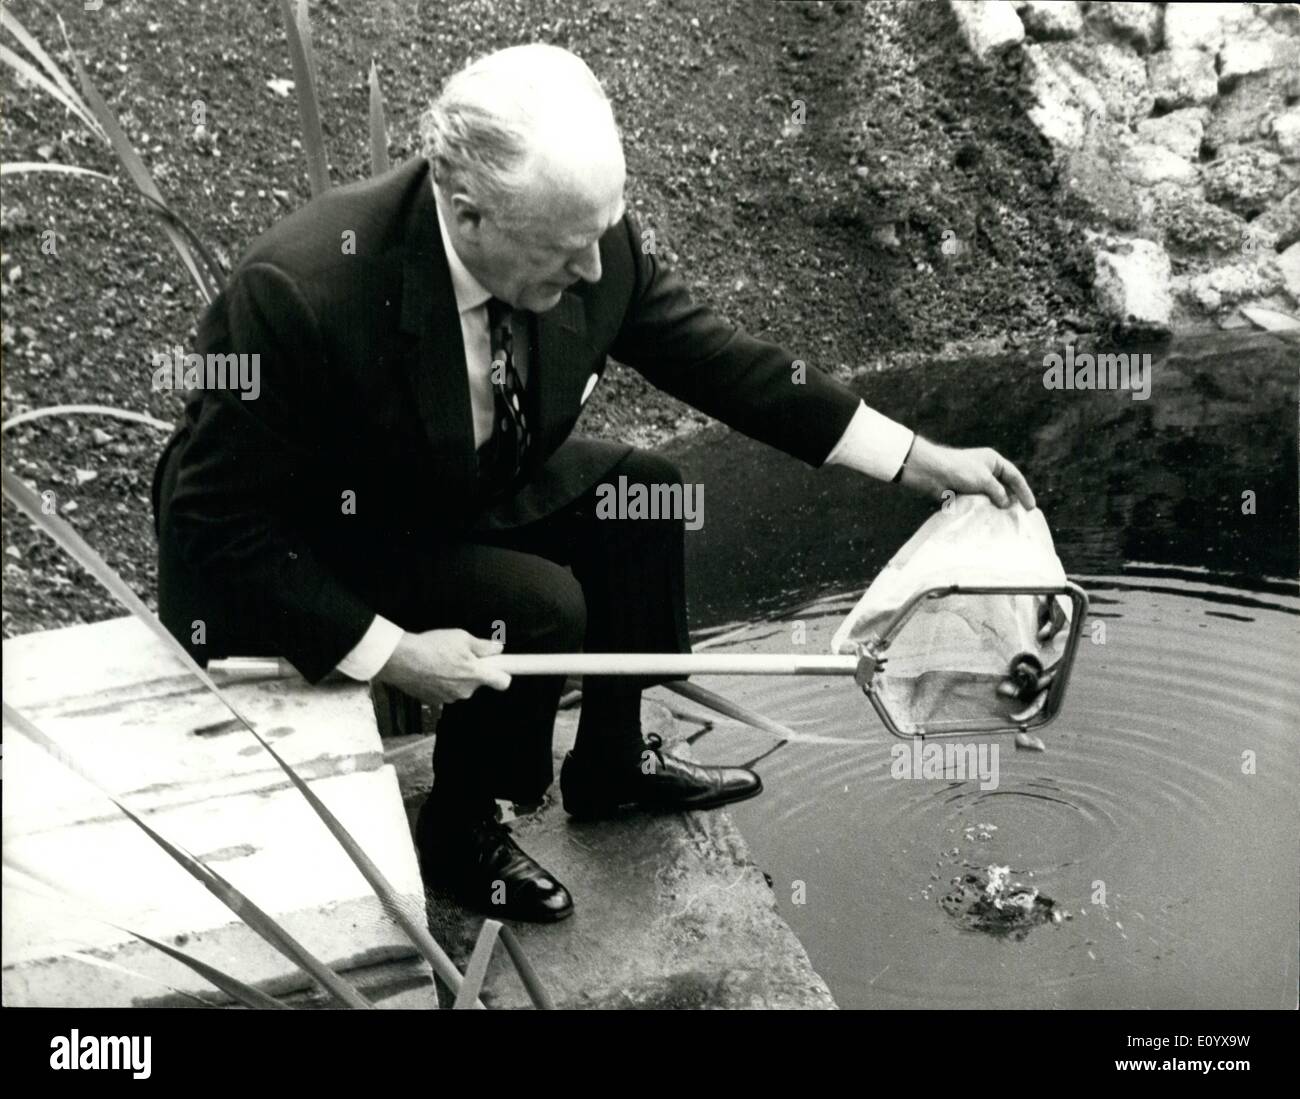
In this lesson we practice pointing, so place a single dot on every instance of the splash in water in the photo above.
(989, 901)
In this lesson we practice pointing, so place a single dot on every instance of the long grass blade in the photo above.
(30, 72)
(10, 23)
(298, 31)
(84, 410)
(137, 171)
(214, 272)
(135, 974)
(481, 957)
(714, 701)
(22, 167)
(378, 126)
(26, 500)
(536, 991)
(238, 990)
(217, 885)
(476, 970)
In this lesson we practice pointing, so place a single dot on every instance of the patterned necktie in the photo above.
(510, 429)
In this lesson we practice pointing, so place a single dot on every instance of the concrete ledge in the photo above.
(670, 910)
(117, 701)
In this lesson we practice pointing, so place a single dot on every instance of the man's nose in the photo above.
(587, 265)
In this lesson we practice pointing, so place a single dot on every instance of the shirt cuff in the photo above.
(872, 444)
(373, 650)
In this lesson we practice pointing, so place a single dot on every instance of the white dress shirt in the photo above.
(872, 444)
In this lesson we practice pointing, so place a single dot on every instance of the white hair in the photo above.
(480, 132)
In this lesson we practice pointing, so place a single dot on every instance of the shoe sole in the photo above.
(604, 812)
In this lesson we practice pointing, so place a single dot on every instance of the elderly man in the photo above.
(404, 497)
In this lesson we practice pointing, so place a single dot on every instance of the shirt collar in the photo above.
(469, 292)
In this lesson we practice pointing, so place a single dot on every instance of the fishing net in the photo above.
(976, 652)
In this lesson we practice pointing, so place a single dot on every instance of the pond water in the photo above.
(1162, 819)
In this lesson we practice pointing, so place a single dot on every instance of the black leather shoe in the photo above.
(591, 791)
(481, 866)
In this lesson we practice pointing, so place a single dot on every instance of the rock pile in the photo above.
(1178, 126)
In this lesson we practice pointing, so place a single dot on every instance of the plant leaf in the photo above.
(139, 173)
(476, 970)
(31, 72)
(23, 166)
(10, 23)
(246, 994)
(84, 410)
(217, 885)
(25, 499)
(533, 983)
(378, 127)
(298, 31)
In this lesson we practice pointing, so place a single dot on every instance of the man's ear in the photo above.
(466, 215)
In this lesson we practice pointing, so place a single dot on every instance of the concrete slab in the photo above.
(162, 743)
(670, 910)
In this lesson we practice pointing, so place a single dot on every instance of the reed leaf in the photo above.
(720, 704)
(214, 272)
(30, 72)
(135, 974)
(26, 500)
(9, 22)
(236, 989)
(298, 31)
(476, 970)
(532, 982)
(83, 410)
(23, 167)
(139, 173)
(215, 884)
(378, 126)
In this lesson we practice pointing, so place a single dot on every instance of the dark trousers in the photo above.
(568, 582)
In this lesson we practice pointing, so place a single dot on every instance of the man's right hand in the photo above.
(442, 666)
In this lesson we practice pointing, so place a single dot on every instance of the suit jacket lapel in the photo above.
(437, 363)
(560, 352)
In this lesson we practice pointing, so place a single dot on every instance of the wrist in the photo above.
(903, 465)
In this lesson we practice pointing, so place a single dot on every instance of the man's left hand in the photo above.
(934, 469)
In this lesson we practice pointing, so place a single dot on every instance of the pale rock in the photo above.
(1146, 164)
(988, 27)
(1066, 100)
(1182, 78)
(1255, 53)
(1281, 220)
(1187, 223)
(1092, 175)
(1284, 18)
(1245, 109)
(1289, 265)
(1244, 181)
(1179, 131)
(1050, 19)
(1232, 283)
(1094, 78)
(1286, 131)
(1135, 24)
(1196, 26)
(1132, 286)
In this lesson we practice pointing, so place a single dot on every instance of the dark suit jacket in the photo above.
(364, 390)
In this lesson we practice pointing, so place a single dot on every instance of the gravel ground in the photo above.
(913, 212)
